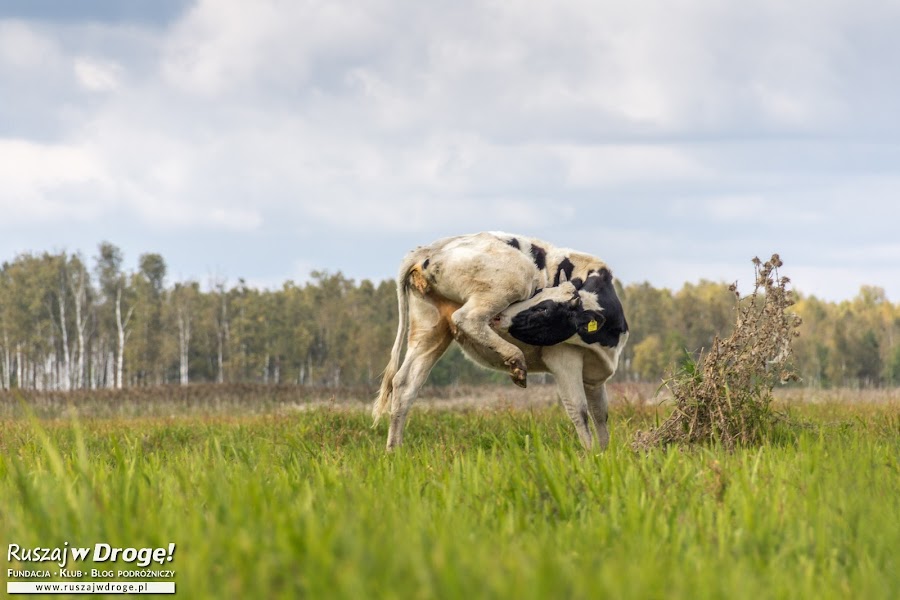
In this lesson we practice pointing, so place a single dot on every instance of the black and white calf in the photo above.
(509, 301)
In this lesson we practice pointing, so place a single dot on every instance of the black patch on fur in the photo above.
(565, 266)
(546, 323)
(578, 282)
(611, 322)
(514, 243)
(425, 264)
(539, 256)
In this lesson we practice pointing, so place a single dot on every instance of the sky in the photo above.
(674, 139)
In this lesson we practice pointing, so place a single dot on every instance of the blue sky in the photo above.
(264, 139)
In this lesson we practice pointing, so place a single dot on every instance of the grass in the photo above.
(478, 503)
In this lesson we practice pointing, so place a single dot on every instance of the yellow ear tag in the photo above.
(592, 326)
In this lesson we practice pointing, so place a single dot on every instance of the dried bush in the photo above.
(726, 394)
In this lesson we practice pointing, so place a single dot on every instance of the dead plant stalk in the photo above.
(726, 394)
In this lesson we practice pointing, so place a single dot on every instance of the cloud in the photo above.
(772, 210)
(97, 75)
(837, 283)
(690, 130)
(221, 48)
(42, 182)
(595, 166)
(22, 47)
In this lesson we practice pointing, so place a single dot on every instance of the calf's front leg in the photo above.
(566, 363)
(598, 403)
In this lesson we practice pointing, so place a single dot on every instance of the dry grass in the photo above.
(726, 395)
(801, 395)
(253, 399)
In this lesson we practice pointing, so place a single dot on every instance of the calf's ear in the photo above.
(589, 324)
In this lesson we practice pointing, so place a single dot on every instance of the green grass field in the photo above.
(478, 503)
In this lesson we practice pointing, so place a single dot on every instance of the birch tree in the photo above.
(145, 354)
(118, 306)
(59, 264)
(184, 300)
(79, 285)
(123, 334)
(5, 306)
(222, 320)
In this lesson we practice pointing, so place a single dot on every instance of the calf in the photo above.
(479, 291)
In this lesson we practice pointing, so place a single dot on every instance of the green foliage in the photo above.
(892, 367)
(488, 504)
(59, 329)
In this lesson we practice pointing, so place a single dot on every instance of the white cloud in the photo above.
(746, 208)
(390, 121)
(222, 46)
(878, 253)
(43, 182)
(757, 209)
(97, 75)
(633, 164)
(45, 165)
(22, 47)
(840, 283)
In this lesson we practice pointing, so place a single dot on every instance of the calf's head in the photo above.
(602, 320)
(549, 317)
(590, 308)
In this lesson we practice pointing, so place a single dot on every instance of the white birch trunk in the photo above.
(184, 342)
(220, 373)
(222, 339)
(79, 294)
(49, 379)
(64, 376)
(95, 369)
(93, 365)
(121, 327)
(31, 373)
(110, 369)
(7, 363)
(19, 370)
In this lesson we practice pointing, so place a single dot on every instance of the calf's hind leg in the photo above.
(472, 320)
(427, 342)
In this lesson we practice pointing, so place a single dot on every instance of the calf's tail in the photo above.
(383, 400)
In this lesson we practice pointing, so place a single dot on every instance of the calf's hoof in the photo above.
(518, 373)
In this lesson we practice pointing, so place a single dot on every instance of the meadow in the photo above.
(287, 496)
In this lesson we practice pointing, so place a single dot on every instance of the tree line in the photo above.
(852, 343)
(71, 323)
